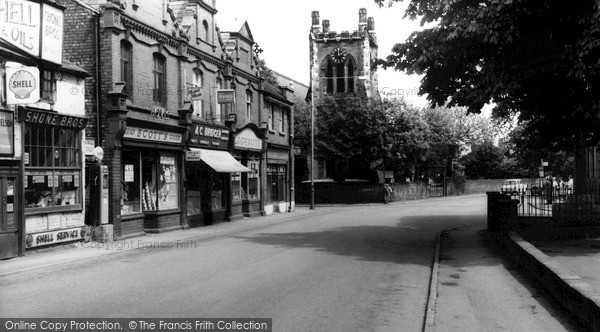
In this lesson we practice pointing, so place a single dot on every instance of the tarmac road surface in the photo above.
(352, 268)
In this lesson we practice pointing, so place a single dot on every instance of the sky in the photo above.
(281, 28)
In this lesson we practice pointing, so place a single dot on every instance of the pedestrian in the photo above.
(570, 184)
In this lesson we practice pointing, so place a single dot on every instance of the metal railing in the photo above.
(567, 207)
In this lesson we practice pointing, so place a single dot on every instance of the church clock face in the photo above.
(338, 55)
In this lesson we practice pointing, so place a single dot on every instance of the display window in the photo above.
(251, 180)
(236, 187)
(193, 189)
(130, 194)
(150, 181)
(276, 177)
(217, 199)
(52, 167)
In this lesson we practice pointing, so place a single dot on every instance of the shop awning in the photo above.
(220, 161)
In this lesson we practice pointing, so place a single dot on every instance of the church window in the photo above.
(338, 77)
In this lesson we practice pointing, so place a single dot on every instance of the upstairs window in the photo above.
(127, 66)
(205, 31)
(48, 86)
(159, 73)
(248, 106)
(198, 82)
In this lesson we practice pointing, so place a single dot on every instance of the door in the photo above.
(9, 230)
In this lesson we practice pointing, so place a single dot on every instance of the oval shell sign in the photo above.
(23, 85)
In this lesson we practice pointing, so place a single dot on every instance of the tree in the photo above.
(485, 161)
(537, 59)
(265, 72)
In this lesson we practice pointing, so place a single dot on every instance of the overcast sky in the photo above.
(281, 28)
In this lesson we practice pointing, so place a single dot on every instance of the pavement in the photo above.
(79, 251)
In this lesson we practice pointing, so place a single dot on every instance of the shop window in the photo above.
(130, 194)
(53, 172)
(276, 178)
(160, 181)
(216, 192)
(193, 189)
(159, 73)
(236, 187)
(127, 66)
(251, 181)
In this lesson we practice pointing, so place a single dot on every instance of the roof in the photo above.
(300, 89)
(274, 93)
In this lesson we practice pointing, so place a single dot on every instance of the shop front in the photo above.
(248, 144)
(150, 173)
(10, 221)
(53, 177)
(278, 185)
(212, 177)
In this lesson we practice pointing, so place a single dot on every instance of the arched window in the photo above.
(338, 77)
(205, 31)
(127, 66)
(159, 73)
(350, 65)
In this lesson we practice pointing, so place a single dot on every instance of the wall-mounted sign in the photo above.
(24, 23)
(225, 96)
(153, 135)
(205, 135)
(23, 86)
(47, 238)
(52, 119)
(7, 133)
(88, 146)
(247, 140)
(52, 33)
(193, 155)
(194, 93)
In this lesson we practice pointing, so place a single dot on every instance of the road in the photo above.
(354, 268)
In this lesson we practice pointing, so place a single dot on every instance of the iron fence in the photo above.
(566, 206)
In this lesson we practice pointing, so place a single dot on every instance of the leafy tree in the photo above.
(483, 162)
(537, 59)
(265, 72)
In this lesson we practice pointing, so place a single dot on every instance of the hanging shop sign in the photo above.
(247, 140)
(7, 136)
(153, 135)
(226, 96)
(23, 86)
(46, 118)
(204, 135)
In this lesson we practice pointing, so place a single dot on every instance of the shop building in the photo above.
(169, 130)
(278, 189)
(42, 130)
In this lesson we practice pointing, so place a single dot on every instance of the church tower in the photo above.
(342, 64)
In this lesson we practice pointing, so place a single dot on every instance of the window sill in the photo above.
(53, 209)
(282, 133)
(162, 212)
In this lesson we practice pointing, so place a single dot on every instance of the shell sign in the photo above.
(23, 85)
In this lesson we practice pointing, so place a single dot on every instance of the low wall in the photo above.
(352, 192)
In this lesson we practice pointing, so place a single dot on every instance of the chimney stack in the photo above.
(371, 24)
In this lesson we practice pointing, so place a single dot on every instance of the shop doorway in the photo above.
(9, 225)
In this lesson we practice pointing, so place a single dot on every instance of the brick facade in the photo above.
(184, 33)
